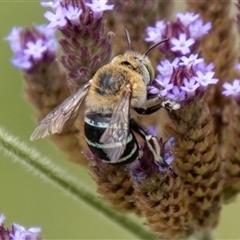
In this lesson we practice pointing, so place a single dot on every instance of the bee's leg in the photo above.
(149, 110)
(168, 104)
(152, 142)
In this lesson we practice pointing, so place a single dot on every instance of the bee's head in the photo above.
(139, 63)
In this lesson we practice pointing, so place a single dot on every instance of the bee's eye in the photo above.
(150, 69)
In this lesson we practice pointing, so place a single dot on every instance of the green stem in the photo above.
(45, 169)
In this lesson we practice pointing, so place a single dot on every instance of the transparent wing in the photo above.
(63, 116)
(118, 129)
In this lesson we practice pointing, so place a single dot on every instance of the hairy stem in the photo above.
(45, 169)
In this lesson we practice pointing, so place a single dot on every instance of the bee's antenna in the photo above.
(128, 39)
(156, 44)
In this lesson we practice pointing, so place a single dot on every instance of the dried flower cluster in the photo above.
(201, 139)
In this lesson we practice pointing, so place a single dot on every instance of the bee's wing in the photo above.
(117, 132)
(62, 116)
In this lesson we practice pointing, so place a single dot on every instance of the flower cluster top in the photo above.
(183, 78)
(32, 46)
(63, 13)
(184, 34)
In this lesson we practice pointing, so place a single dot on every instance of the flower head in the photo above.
(98, 6)
(57, 19)
(192, 60)
(190, 85)
(14, 39)
(165, 67)
(155, 34)
(197, 29)
(205, 79)
(187, 18)
(183, 34)
(73, 13)
(32, 47)
(232, 89)
(184, 78)
(182, 44)
(35, 49)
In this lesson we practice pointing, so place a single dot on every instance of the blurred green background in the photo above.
(26, 199)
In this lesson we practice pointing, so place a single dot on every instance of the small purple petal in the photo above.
(57, 19)
(22, 61)
(190, 86)
(197, 29)
(205, 79)
(237, 66)
(2, 218)
(163, 92)
(35, 49)
(165, 68)
(164, 82)
(231, 89)
(47, 32)
(155, 33)
(73, 13)
(98, 6)
(177, 94)
(54, 4)
(192, 60)
(203, 68)
(14, 39)
(187, 18)
(152, 130)
(182, 44)
(153, 90)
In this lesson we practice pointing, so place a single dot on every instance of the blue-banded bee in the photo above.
(114, 90)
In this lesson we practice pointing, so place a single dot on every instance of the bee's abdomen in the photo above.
(95, 125)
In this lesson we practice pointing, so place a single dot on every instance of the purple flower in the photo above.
(165, 68)
(14, 39)
(98, 6)
(176, 94)
(231, 89)
(182, 44)
(35, 49)
(184, 34)
(237, 66)
(197, 29)
(35, 46)
(21, 61)
(155, 33)
(51, 45)
(73, 14)
(164, 82)
(203, 68)
(187, 18)
(192, 60)
(205, 79)
(153, 90)
(190, 86)
(47, 32)
(152, 130)
(2, 218)
(20, 233)
(58, 19)
(54, 4)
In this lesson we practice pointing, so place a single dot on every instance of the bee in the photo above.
(114, 90)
